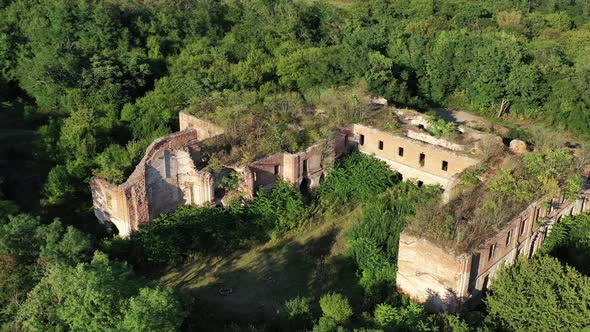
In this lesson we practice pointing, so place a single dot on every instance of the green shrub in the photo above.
(279, 211)
(542, 294)
(412, 317)
(327, 324)
(190, 230)
(354, 179)
(298, 309)
(441, 128)
(335, 306)
(569, 240)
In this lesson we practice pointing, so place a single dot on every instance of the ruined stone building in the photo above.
(432, 274)
(173, 172)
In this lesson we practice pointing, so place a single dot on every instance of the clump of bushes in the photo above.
(482, 208)
(191, 230)
(441, 128)
(278, 211)
(373, 242)
(354, 179)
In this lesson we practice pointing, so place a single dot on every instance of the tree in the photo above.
(98, 296)
(541, 294)
(336, 307)
(153, 310)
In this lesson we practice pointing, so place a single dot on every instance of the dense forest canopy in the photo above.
(104, 78)
(86, 85)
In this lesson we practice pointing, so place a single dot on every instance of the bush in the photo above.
(279, 211)
(298, 308)
(326, 324)
(354, 179)
(441, 128)
(409, 318)
(569, 240)
(335, 306)
(540, 293)
(373, 243)
(190, 230)
(298, 311)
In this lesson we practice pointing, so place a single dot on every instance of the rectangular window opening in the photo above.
(400, 152)
(380, 145)
(492, 251)
(346, 139)
(422, 159)
(305, 167)
(362, 140)
(508, 238)
(277, 169)
(522, 226)
(445, 165)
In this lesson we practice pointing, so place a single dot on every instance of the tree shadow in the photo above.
(257, 291)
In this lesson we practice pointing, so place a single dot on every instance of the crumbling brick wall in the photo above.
(445, 280)
(165, 178)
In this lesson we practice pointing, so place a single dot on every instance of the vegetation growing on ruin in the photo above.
(86, 85)
(481, 209)
(569, 241)
(441, 128)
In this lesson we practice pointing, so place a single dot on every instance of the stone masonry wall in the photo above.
(158, 184)
(429, 274)
(445, 281)
(204, 128)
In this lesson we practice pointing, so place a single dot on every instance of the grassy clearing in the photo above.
(310, 262)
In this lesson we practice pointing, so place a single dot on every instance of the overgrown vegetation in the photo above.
(481, 209)
(353, 180)
(569, 240)
(373, 242)
(92, 83)
(542, 293)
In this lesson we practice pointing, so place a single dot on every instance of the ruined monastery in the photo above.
(174, 172)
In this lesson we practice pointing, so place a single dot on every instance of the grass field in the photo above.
(311, 263)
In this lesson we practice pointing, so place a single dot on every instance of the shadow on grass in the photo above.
(254, 289)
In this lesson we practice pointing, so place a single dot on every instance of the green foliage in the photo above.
(540, 292)
(98, 296)
(115, 162)
(354, 179)
(27, 249)
(408, 318)
(327, 324)
(188, 231)
(569, 240)
(278, 211)
(230, 182)
(298, 312)
(441, 128)
(153, 309)
(336, 307)
(373, 243)
(540, 174)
